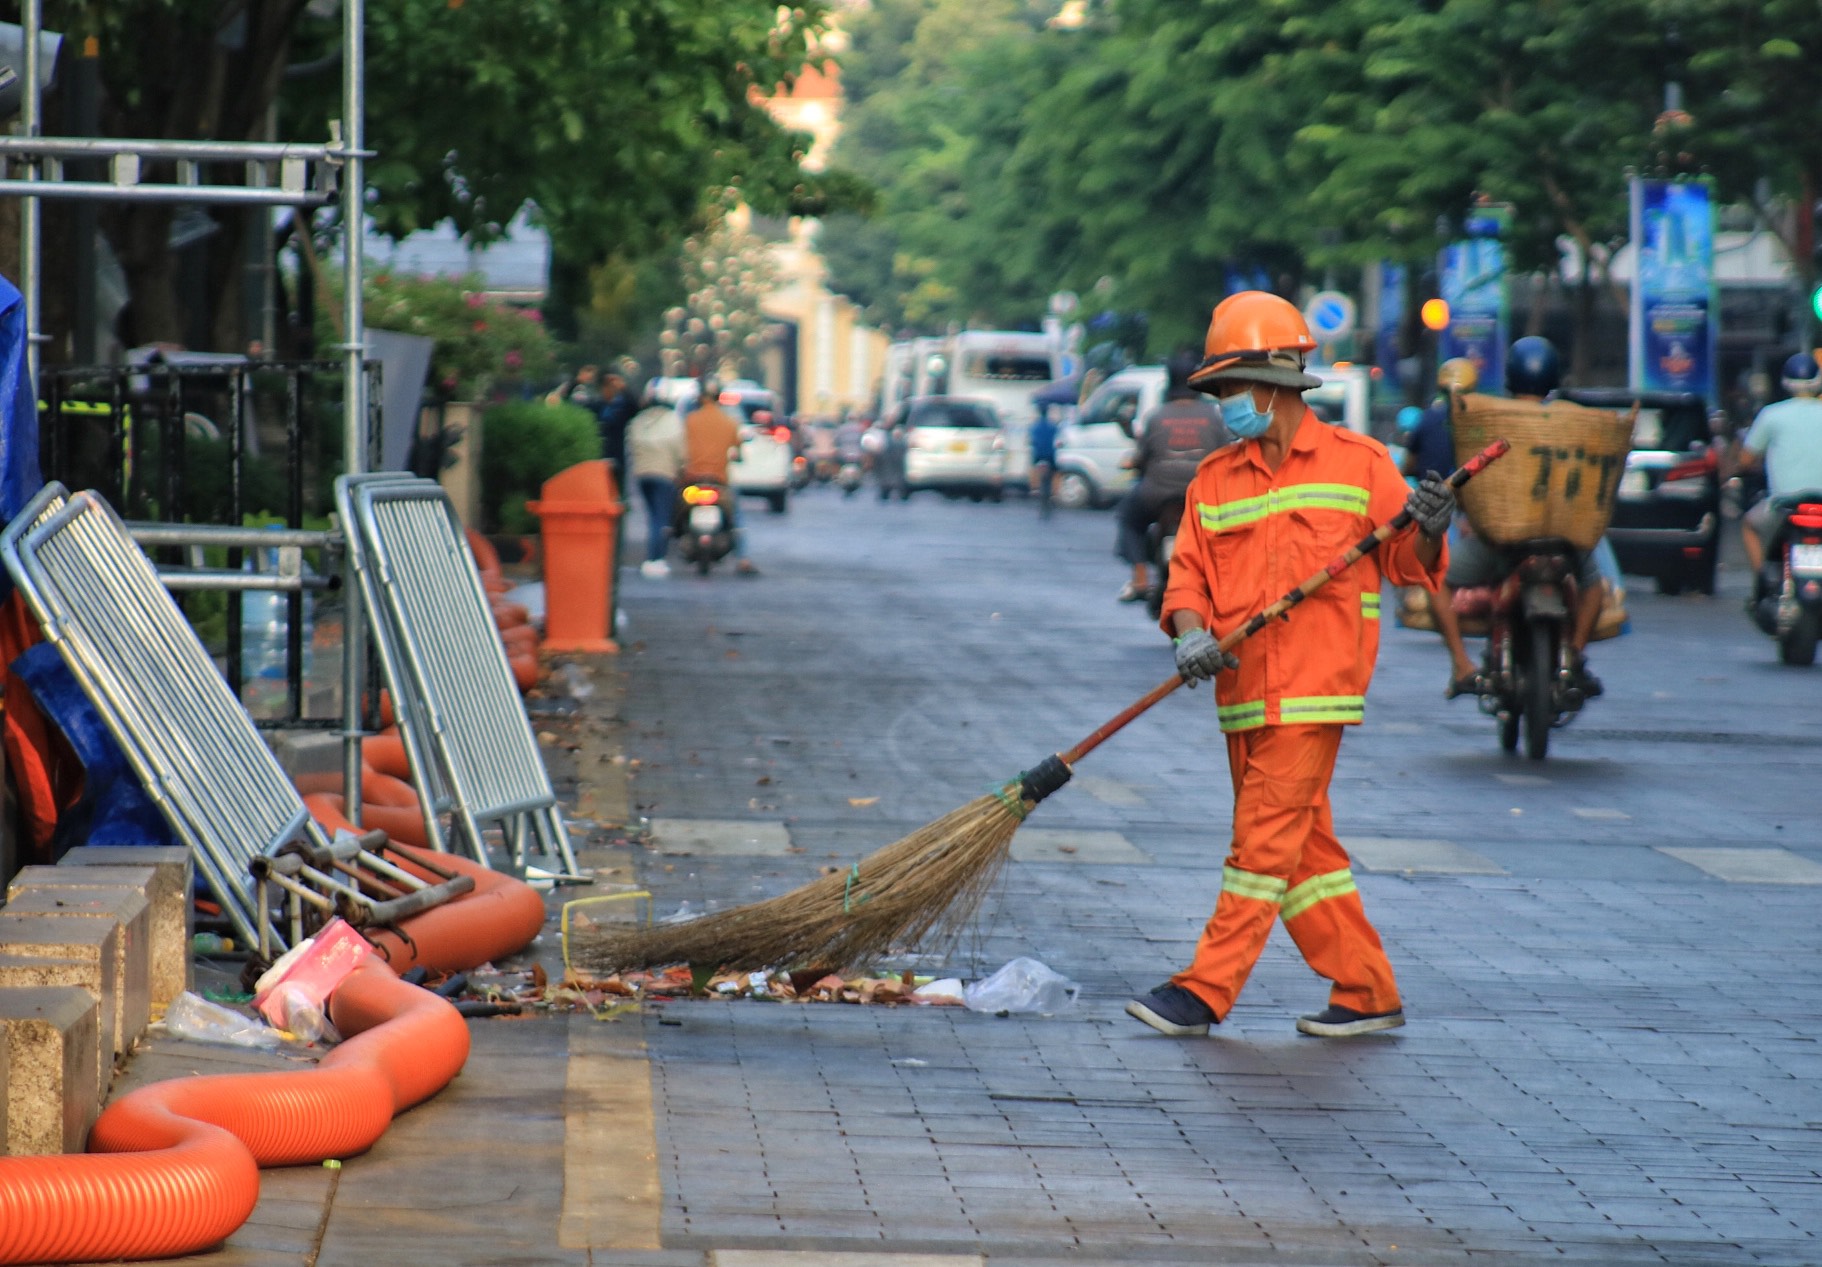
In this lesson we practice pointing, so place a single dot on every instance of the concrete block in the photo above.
(167, 939)
(22, 972)
(173, 918)
(126, 908)
(93, 941)
(53, 1093)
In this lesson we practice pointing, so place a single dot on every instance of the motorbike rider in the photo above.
(1786, 440)
(1533, 371)
(1173, 439)
(1261, 516)
(712, 440)
(1431, 444)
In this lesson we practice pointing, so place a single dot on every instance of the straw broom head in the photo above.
(930, 882)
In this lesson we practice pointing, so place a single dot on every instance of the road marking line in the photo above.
(720, 837)
(1601, 814)
(1523, 780)
(1109, 791)
(612, 1197)
(1417, 857)
(1062, 844)
(1749, 866)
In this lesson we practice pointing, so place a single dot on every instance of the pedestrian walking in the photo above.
(613, 413)
(1043, 459)
(1260, 516)
(655, 439)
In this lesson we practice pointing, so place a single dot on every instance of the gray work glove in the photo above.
(1432, 505)
(1199, 656)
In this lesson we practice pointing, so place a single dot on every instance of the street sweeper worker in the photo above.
(1262, 516)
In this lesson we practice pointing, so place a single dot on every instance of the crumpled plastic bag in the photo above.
(194, 1017)
(1024, 985)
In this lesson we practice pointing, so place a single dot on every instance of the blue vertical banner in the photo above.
(1472, 279)
(1388, 320)
(1674, 323)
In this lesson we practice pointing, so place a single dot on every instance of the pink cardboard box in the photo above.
(325, 960)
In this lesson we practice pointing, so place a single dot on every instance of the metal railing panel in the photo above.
(198, 754)
(446, 666)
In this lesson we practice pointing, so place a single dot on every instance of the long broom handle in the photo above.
(1367, 544)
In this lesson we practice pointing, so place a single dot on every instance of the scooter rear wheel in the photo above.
(1539, 691)
(1798, 646)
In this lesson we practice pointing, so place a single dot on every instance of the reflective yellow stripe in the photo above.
(1263, 888)
(1241, 716)
(1369, 607)
(1226, 516)
(1315, 709)
(1316, 889)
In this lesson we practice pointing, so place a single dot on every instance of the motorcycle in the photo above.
(1787, 592)
(703, 525)
(1528, 674)
(849, 478)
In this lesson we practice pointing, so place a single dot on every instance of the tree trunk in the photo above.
(181, 79)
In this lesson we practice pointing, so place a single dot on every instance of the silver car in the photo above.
(953, 446)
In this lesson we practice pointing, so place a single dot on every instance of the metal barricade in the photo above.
(463, 724)
(195, 750)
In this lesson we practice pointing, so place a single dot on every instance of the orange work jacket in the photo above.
(1251, 535)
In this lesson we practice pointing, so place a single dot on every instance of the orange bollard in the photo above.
(581, 539)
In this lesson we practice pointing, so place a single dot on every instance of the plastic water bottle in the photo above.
(264, 622)
(263, 625)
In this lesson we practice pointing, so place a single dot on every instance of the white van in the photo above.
(1090, 449)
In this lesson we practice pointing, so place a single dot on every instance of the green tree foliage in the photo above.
(1170, 143)
(612, 121)
(524, 443)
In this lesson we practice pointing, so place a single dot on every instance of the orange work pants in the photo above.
(1285, 861)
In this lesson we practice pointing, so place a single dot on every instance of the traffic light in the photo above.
(1434, 314)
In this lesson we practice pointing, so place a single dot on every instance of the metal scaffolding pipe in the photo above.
(354, 377)
(31, 225)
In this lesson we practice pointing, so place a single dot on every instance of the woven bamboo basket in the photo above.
(1560, 478)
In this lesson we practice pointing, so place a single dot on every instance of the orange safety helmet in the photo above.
(1259, 337)
(1457, 374)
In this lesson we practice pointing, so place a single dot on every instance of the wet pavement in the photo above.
(1608, 958)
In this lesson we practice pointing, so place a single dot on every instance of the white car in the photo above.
(763, 468)
(953, 446)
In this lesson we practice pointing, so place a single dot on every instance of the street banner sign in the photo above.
(1675, 320)
(1472, 279)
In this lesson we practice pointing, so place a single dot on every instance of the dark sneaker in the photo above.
(745, 568)
(1335, 1021)
(1590, 685)
(1170, 1009)
(1466, 684)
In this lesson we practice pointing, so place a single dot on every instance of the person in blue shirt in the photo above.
(1043, 458)
(1431, 445)
(1786, 439)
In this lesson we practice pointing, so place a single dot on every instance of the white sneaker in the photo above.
(657, 569)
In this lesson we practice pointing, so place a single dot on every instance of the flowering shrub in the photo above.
(484, 347)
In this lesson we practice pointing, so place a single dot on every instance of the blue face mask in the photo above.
(1242, 415)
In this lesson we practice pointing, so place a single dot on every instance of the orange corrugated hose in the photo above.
(174, 1165)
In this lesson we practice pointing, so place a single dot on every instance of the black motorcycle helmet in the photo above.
(1532, 367)
(1179, 365)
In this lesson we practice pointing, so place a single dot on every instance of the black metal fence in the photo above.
(221, 443)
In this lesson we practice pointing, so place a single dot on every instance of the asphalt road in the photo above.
(1608, 958)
